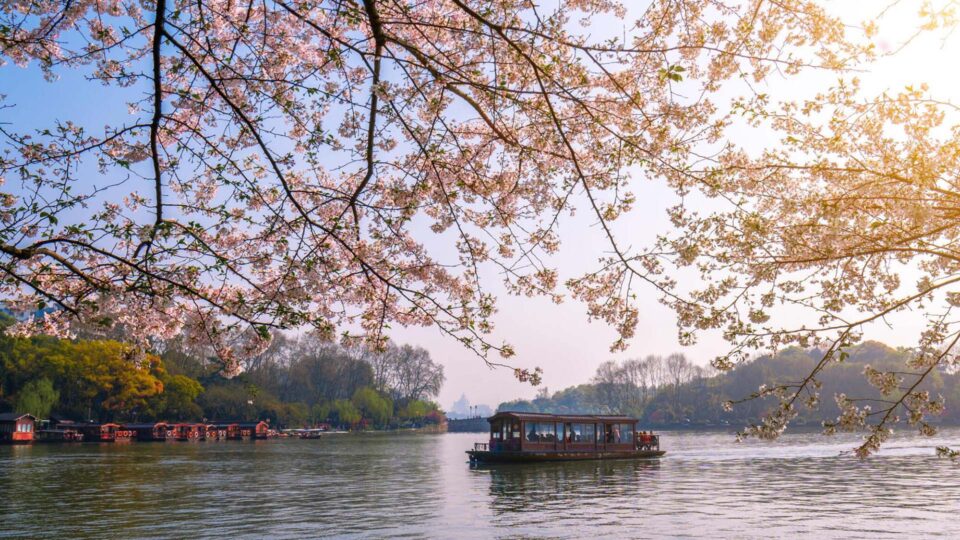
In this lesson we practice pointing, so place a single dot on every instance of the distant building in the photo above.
(462, 409)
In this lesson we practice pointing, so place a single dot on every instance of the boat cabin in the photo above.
(254, 430)
(57, 429)
(209, 432)
(99, 432)
(59, 435)
(17, 428)
(539, 432)
(125, 434)
(523, 436)
(228, 431)
(189, 432)
(154, 431)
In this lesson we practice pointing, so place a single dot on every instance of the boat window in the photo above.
(495, 430)
(516, 429)
(541, 432)
(618, 433)
(580, 433)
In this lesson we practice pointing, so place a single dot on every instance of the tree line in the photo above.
(672, 390)
(295, 382)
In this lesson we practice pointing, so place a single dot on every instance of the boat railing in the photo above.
(481, 446)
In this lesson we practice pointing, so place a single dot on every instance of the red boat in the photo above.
(17, 428)
(99, 432)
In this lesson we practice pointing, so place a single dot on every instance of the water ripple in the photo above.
(410, 486)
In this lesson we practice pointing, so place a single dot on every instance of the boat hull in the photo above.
(485, 456)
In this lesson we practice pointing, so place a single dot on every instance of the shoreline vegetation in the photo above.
(294, 383)
(673, 393)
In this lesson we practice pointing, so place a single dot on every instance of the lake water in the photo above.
(413, 486)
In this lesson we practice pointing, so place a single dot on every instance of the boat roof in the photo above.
(150, 425)
(12, 416)
(562, 417)
(240, 424)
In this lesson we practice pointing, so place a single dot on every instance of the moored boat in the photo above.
(56, 430)
(93, 432)
(188, 432)
(17, 428)
(521, 437)
(54, 435)
(152, 431)
(209, 432)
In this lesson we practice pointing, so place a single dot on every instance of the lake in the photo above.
(380, 485)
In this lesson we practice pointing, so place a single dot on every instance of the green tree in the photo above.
(225, 401)
(415, 410)
(178, 399)
(372, 405)
(37, 397)
(294, 414)
(103, 377)
(109, 375)
(321, 412)
(345, 412)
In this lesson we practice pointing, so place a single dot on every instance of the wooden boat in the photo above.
(188, 432)
(309, 433)
(521, 437)
(53, 435)
(99, 432)
(17, 428)
(57, 430)
(209, 432)
(245, 430)
(253, 430)
(154, 431)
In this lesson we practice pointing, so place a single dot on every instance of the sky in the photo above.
(557, 338)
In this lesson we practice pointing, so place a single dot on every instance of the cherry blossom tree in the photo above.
(284, 162)
(848, 220)
(314, 163)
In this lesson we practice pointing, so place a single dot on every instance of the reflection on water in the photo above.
(541, 487)
(384, 485)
